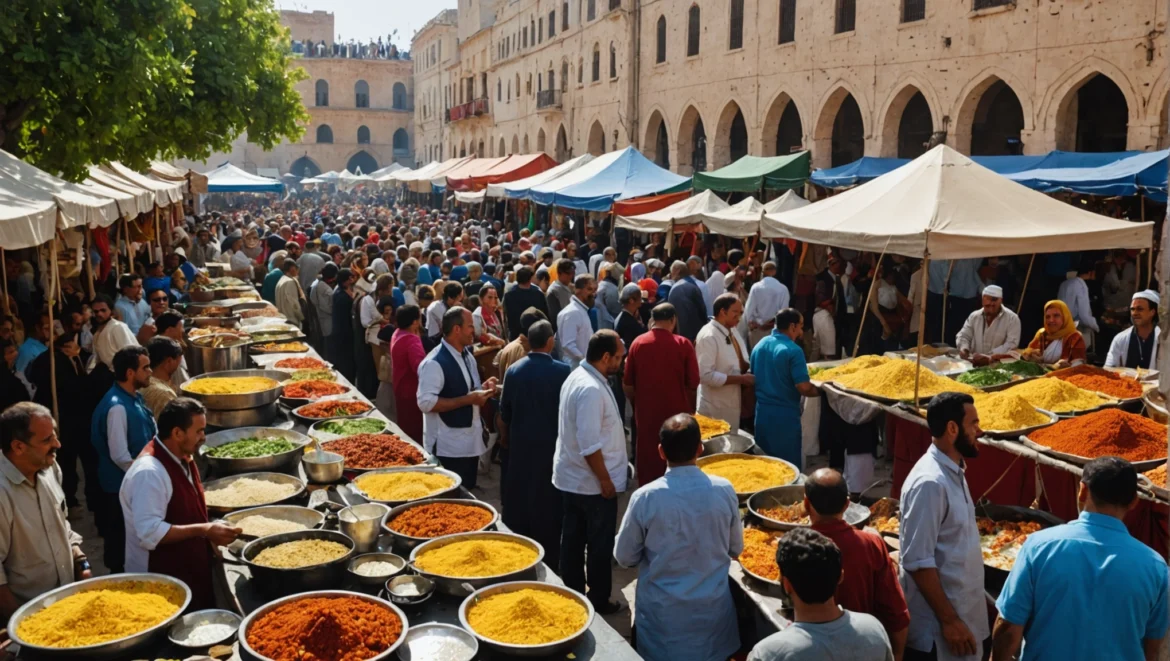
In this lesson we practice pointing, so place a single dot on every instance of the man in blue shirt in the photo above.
(1087, 589)
(781, 379)
(33, 345)
(130, 304)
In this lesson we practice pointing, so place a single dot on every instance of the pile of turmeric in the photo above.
(1057, 396)
(856, 365)
(895, 380)
(527, 617)
(1003, 411)
(114, 611)
(1111, 432)
(1096, 379)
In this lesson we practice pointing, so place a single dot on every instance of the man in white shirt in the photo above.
(1075, 294)
(451, 296)
(450, 396)
(991, 332)
(723, 362)
(109, 334)
(824, 332)
(589, 468)
(167, 528)
(573, 327)
(1137, 347)
(766, 298)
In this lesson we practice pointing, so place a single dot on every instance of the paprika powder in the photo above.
(325, 629)
(1111, 432)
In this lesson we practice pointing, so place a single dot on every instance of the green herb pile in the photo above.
(984, 376)
(350, 427)
(1023, 368)
(313, 375)
(247, 448)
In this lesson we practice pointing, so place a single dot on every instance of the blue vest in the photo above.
(140, 429)
(454, 386)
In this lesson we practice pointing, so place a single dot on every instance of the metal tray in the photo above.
(421, 468)
(263, 610)
(429, 459)
(279, 478)
(297, 402)
(324, 436)
(743, 496)
(405, 543)
(269, 463)
(306, 516)
(242, 401)
(855, 515)
(464, 586)
(309, 420)
(1139, 466)
(545, 649)
(736, 442)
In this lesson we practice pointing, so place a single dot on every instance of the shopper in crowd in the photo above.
(574, 328)
(723, 363)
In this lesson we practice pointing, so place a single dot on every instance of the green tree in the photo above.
(91, 81)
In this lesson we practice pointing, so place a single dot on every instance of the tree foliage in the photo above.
(91, 81)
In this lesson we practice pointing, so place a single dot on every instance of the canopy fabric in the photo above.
(459, 178)
(77, 205)
(347, 181)
(228, 178)
(271, 173)
(26, 220)
(383, 174)
(420, 182)
(166, 193)
(1120, 177)
(739, 220)
(642, 205)
(403, 175)
(143, 199)
(866, 168)
(685, 212)
(471, 197)
(522, 188)
(330, 177)
(946, 206)
(618, 175)
(751, 173)
(127, 202)
(786, 202)
(516, 166)
(168, 172)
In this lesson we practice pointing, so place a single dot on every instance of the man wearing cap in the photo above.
(1138, 346)
(991, 332)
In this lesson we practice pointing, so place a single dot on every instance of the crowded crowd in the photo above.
(602, 349)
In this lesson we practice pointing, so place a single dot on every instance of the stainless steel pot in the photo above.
(541, 650)
(242, 401)
(406, 543)
(464, 586)
(279, 478)
(231, 353)
(307, 517)
(247, 652)
(275, 581)
(283, 462)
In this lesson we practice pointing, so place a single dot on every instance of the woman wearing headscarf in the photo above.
(1058, 342)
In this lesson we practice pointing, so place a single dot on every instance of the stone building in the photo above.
(695, 84)
(361, 111)
(433, 47)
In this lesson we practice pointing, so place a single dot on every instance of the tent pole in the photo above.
(52, 352)
(88, 262)
(4, 279)
(946, 293)
(921, 323)
(126, 241)
(1027, 276)
(158, 234)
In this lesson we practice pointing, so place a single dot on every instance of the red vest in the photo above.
(189, 560)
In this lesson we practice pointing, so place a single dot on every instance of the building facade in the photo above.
(361, 110)
(433, 47)
(695, 84)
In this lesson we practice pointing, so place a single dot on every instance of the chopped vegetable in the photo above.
(984, 376)
(247, 448)
(350, 427)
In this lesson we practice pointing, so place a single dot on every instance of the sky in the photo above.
(365, 19)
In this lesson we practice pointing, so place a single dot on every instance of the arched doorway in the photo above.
(399, 96)
(848, 142)
(304, 167)
(596, 139)
(657, 141)
(562, 145)
(540, 141)
(731, 137)
(915, 127)
(790, 131)
(738, 137)
(526, 149)
(324, 134)
(998, 122)
(692, 143)
(515, 145)
(1102, 116)
(361, 162)
(503, 148)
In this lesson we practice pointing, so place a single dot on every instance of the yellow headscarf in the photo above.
(1067, 329)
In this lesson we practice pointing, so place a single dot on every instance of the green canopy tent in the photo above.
(752, 174)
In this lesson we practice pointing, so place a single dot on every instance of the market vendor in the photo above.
(991, 332)
(1138, 346)
(167, 529)
(781, 380)
(1058, 342)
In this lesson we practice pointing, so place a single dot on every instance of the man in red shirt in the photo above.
(662, 379)
(869, 581)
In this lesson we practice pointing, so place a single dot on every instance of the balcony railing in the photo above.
(467, 110)
(548, 100)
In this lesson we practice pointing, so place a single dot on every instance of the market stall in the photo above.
(228, 178)
(618, 175)
(683, 215)
(521, 188)
(754, 174)
(742, 219)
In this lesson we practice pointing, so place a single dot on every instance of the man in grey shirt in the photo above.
(309, 265)
(810, 568)
(561, 290)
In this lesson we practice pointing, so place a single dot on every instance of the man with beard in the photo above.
(1138, 346)
(109, 334)
(942, 563)
(989, 332)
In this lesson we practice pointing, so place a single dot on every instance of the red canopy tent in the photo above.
(513, 168)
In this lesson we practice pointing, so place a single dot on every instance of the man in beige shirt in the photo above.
(165, 357)
(517, 348)
(39, 551)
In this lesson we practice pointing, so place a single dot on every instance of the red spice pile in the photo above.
(1111, 432)
(301, 364)
(438, 519)
(333, 409)
(1095, 379)
(375, 451)
(325, 629)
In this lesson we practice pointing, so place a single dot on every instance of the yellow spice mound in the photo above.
(230, 385)
(856, 365)
(748, 475)
(405, 485)
(475, 558)
(98, 616)
(300, 553)
(527, 617)
(1056, 395)
(1004, 411)
(895, 380)
(711, 427)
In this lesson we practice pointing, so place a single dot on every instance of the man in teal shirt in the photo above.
(1087, 589)
(781, 373)
(268, 289)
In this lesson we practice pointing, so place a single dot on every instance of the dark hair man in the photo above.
(520, 298)
(781, 373)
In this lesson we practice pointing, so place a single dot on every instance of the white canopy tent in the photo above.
(383, 173)
(404, 175)
(228, 178)
(347, 181)
(686, 212)
(166, 193)
(943, 205)
(471, 197)
(77, 206)
(519, 188)
(167, 172)
(143, 199)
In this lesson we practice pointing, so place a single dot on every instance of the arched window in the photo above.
(735, 35)
(596, 63)
(564, 75)
(399, 97)
(324, 134)
(591, 10)
(322, 93)
(693, 31)
(660, 50)
(363, 136)
(401, 142)
(580, 70)
(612, 61)
(361, 94)
(499, 89)
(552, 24)
(552, 79)
(564, 16)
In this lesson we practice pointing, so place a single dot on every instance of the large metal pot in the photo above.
(278, 478)
(241, 401)
(218, 353)
(855, 515)
(542, 650)
(249, 653)
(464, 586)
(283, 462)
(404, 543)
(275, 581)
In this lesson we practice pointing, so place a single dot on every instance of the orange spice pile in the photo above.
(438, 519)
(1100, 380)
(1157, 476)
(1111, 432)
(325, 629)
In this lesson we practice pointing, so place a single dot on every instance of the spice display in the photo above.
(476, 558)
(439, 519)
(1111, 432)
(349, 427)
(1004, 411)
(759, 553)
(376, 568)
(403, 486)
(300, 364)
(281, 347)
(856, 365)
(313, 375)
(984, 377)
(711, 427)
(301, 553)
(252, 446)
(325, 629)
(375, 450)
(313, 389)
(248, 492)
(1157, 476)
(750, 474)
(895, 380)
(527, 617)
(258, 525)
(1001, 541)
(794, 513)
(206, 634)
(1022, 368)
(1095, 379)
(884, 516)
(333, 409)
(114, 611)
(230, 385)
(1056, 396)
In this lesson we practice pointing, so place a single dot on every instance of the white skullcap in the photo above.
(994, 291)
(1150, 295)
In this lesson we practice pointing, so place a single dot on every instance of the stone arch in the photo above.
(1158, 112)
(656, 146)
(908, 120)
(363, 135)
(691, 138)
(1061, 98)
(839, 137)
(503, 148)
(515, 145)
(398, 96)
(304, 167)
(362, 161)
(596, 138)
(783, 126)
(540, 140)
(361, 94)
(321, 88)
(731, 136)
(562, 152)
(977, 105)
(526, 149)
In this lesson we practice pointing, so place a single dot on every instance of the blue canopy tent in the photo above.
(618, 175)
(228, 178)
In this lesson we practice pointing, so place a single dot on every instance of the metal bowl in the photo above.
(242, 401)
(327, 468)
(281, 581)
(855, 515)
(1012, 435)
(306, 516)
(118, 647)
(211, 322)
(186, 625)
(461, 586)
(266, 608)
(279, 478)
(399, 469)
(546, 649)
(406, 543)
(1156, 406)
(397, 560)
(423, 585)
(744, 495)
(271, 463)
(311, 420)
(729, 443)
(316, 432)
(422, 633)
(1139, 466)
